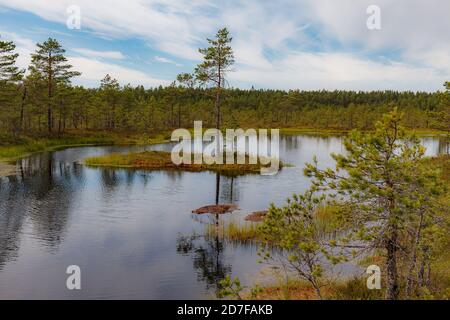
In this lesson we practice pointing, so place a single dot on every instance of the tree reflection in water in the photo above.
(32, 196)
(208, 252)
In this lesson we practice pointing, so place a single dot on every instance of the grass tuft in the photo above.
(12, 148)
(234, 231)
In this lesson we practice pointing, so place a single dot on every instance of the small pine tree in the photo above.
(301, 238)
(388, 191)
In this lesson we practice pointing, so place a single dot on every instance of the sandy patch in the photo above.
(7, 169)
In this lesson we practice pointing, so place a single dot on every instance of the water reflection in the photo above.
(42, 193)
(208, 259)
(131, 231)
(11, 221)
(207, 253)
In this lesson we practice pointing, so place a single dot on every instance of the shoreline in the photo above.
(11, 153)
(14, 152)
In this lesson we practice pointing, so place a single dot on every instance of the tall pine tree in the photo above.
(50, 64)
(217, 61)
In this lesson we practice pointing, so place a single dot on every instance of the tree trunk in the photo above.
(49, 109)
(113, 116)
(171, 115)
(319, 294)
(218, 109)
(392, 289)
(50, 88)
(22, 108)
(179, 116)
(60, 117)
(217, 105)
(425, 269)
(412, 267)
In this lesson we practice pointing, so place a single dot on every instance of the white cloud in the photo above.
(93, 71)
(165, 60)
(437, 57)
(166, 24)
(310, 71)
(100, 54)
(19, 41)
(290, 43)
(405, 24)
(24, 47)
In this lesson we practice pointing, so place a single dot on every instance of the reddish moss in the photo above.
(216, 209)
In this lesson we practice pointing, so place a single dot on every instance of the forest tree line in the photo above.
(44, 101)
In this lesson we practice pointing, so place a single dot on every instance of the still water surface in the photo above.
(132, 232)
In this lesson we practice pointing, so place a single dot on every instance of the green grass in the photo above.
(313, 131)
(244, 231)
(12, 148)
(332, 132)
(32, 146)
(440, 276)
(234, 231)
(160, 160)
(441, 162)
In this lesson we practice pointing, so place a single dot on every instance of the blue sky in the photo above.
(284, 44)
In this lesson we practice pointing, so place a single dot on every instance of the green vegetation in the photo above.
(249, 230)
(442, 163)
(391, 201)
(341, 132)
(15, 147)
(298, 230)
(230, 287)
(383, 199)
(345, 289)
(45, 101)
(49, 66)
(384, 203)
(217, 61)
(160, 160)
(235, 231)
(439, 281)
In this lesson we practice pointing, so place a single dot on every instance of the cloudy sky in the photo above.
(287, 44)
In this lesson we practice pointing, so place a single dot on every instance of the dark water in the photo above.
(132, 232)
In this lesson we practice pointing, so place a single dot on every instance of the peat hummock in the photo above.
(216, 209)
